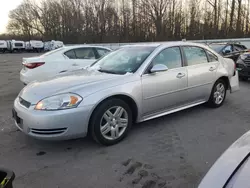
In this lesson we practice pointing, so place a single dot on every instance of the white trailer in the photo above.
(14, 45)
(34, 46)
(3, 46)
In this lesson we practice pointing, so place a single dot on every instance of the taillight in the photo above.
(33, 65)
(235, 68)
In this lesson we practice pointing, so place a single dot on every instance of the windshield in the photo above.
(122, 61)
(217, 47)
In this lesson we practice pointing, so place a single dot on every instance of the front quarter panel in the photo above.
(130, 89)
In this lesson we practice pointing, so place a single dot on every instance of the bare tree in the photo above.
(88, 21)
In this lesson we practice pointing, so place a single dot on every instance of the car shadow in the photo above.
(88, 143)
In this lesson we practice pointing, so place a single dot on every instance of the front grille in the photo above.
(48, 131)
(24, 102)
(247, 60)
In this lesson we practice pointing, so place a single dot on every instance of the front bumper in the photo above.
(244, 72)
(52, 125)
(243, 69)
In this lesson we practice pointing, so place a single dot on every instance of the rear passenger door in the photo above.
(201, 67)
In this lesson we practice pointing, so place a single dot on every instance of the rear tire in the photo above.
(111, 122)
(218, 94)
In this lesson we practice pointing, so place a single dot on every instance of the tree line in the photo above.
(96, 21)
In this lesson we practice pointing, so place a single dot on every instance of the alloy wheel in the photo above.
(114, 123)
(219, 93)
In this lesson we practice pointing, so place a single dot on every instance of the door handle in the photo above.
(180, 75)
(212, 68)
(74, 64)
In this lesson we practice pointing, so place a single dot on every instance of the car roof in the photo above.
(164, 44)
(226, 43)
(84, 46)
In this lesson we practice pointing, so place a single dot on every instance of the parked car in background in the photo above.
(34, 46)
(229, 50)
(52, 45)
(132, 84)
(58, 61)
(243, 66)
(231, 170)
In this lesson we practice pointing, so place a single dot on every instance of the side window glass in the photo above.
(101, 52)
(85, 53)
(70, 54)
(228, 49)
(171, 57)
(211, 56)
(195, 55)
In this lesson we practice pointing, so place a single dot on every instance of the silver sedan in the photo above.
(132, 84)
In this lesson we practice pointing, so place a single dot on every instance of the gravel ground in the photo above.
(173, 151)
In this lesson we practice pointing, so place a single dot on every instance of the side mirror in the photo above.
(158, 68)
(227, 51)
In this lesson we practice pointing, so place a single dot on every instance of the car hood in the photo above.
(68, 82)
(247, 53)
(233, 167)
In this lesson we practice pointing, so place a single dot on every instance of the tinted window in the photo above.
(101, 52)
(211, 57)
(227, 49)
(85, 53)
(171, 57)
(195, 55)
(70, 54)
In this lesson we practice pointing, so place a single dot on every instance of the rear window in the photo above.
(239, 47)
(52, 52)
(211, 56)
(70, 54)
(101, 51)
(217, 47)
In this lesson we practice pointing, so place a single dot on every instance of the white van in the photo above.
(3, 46)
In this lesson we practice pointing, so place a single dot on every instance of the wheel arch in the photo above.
(129, 100)
(226, 80)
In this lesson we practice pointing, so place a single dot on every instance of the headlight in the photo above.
(59, 102)
(243, 56)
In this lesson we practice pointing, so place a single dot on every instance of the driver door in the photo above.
(164, 91)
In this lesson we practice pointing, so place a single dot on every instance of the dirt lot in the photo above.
(173, 151)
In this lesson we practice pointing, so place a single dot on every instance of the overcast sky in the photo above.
(5, 7)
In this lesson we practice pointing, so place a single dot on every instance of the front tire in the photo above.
(111, 121)
(218, 94)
